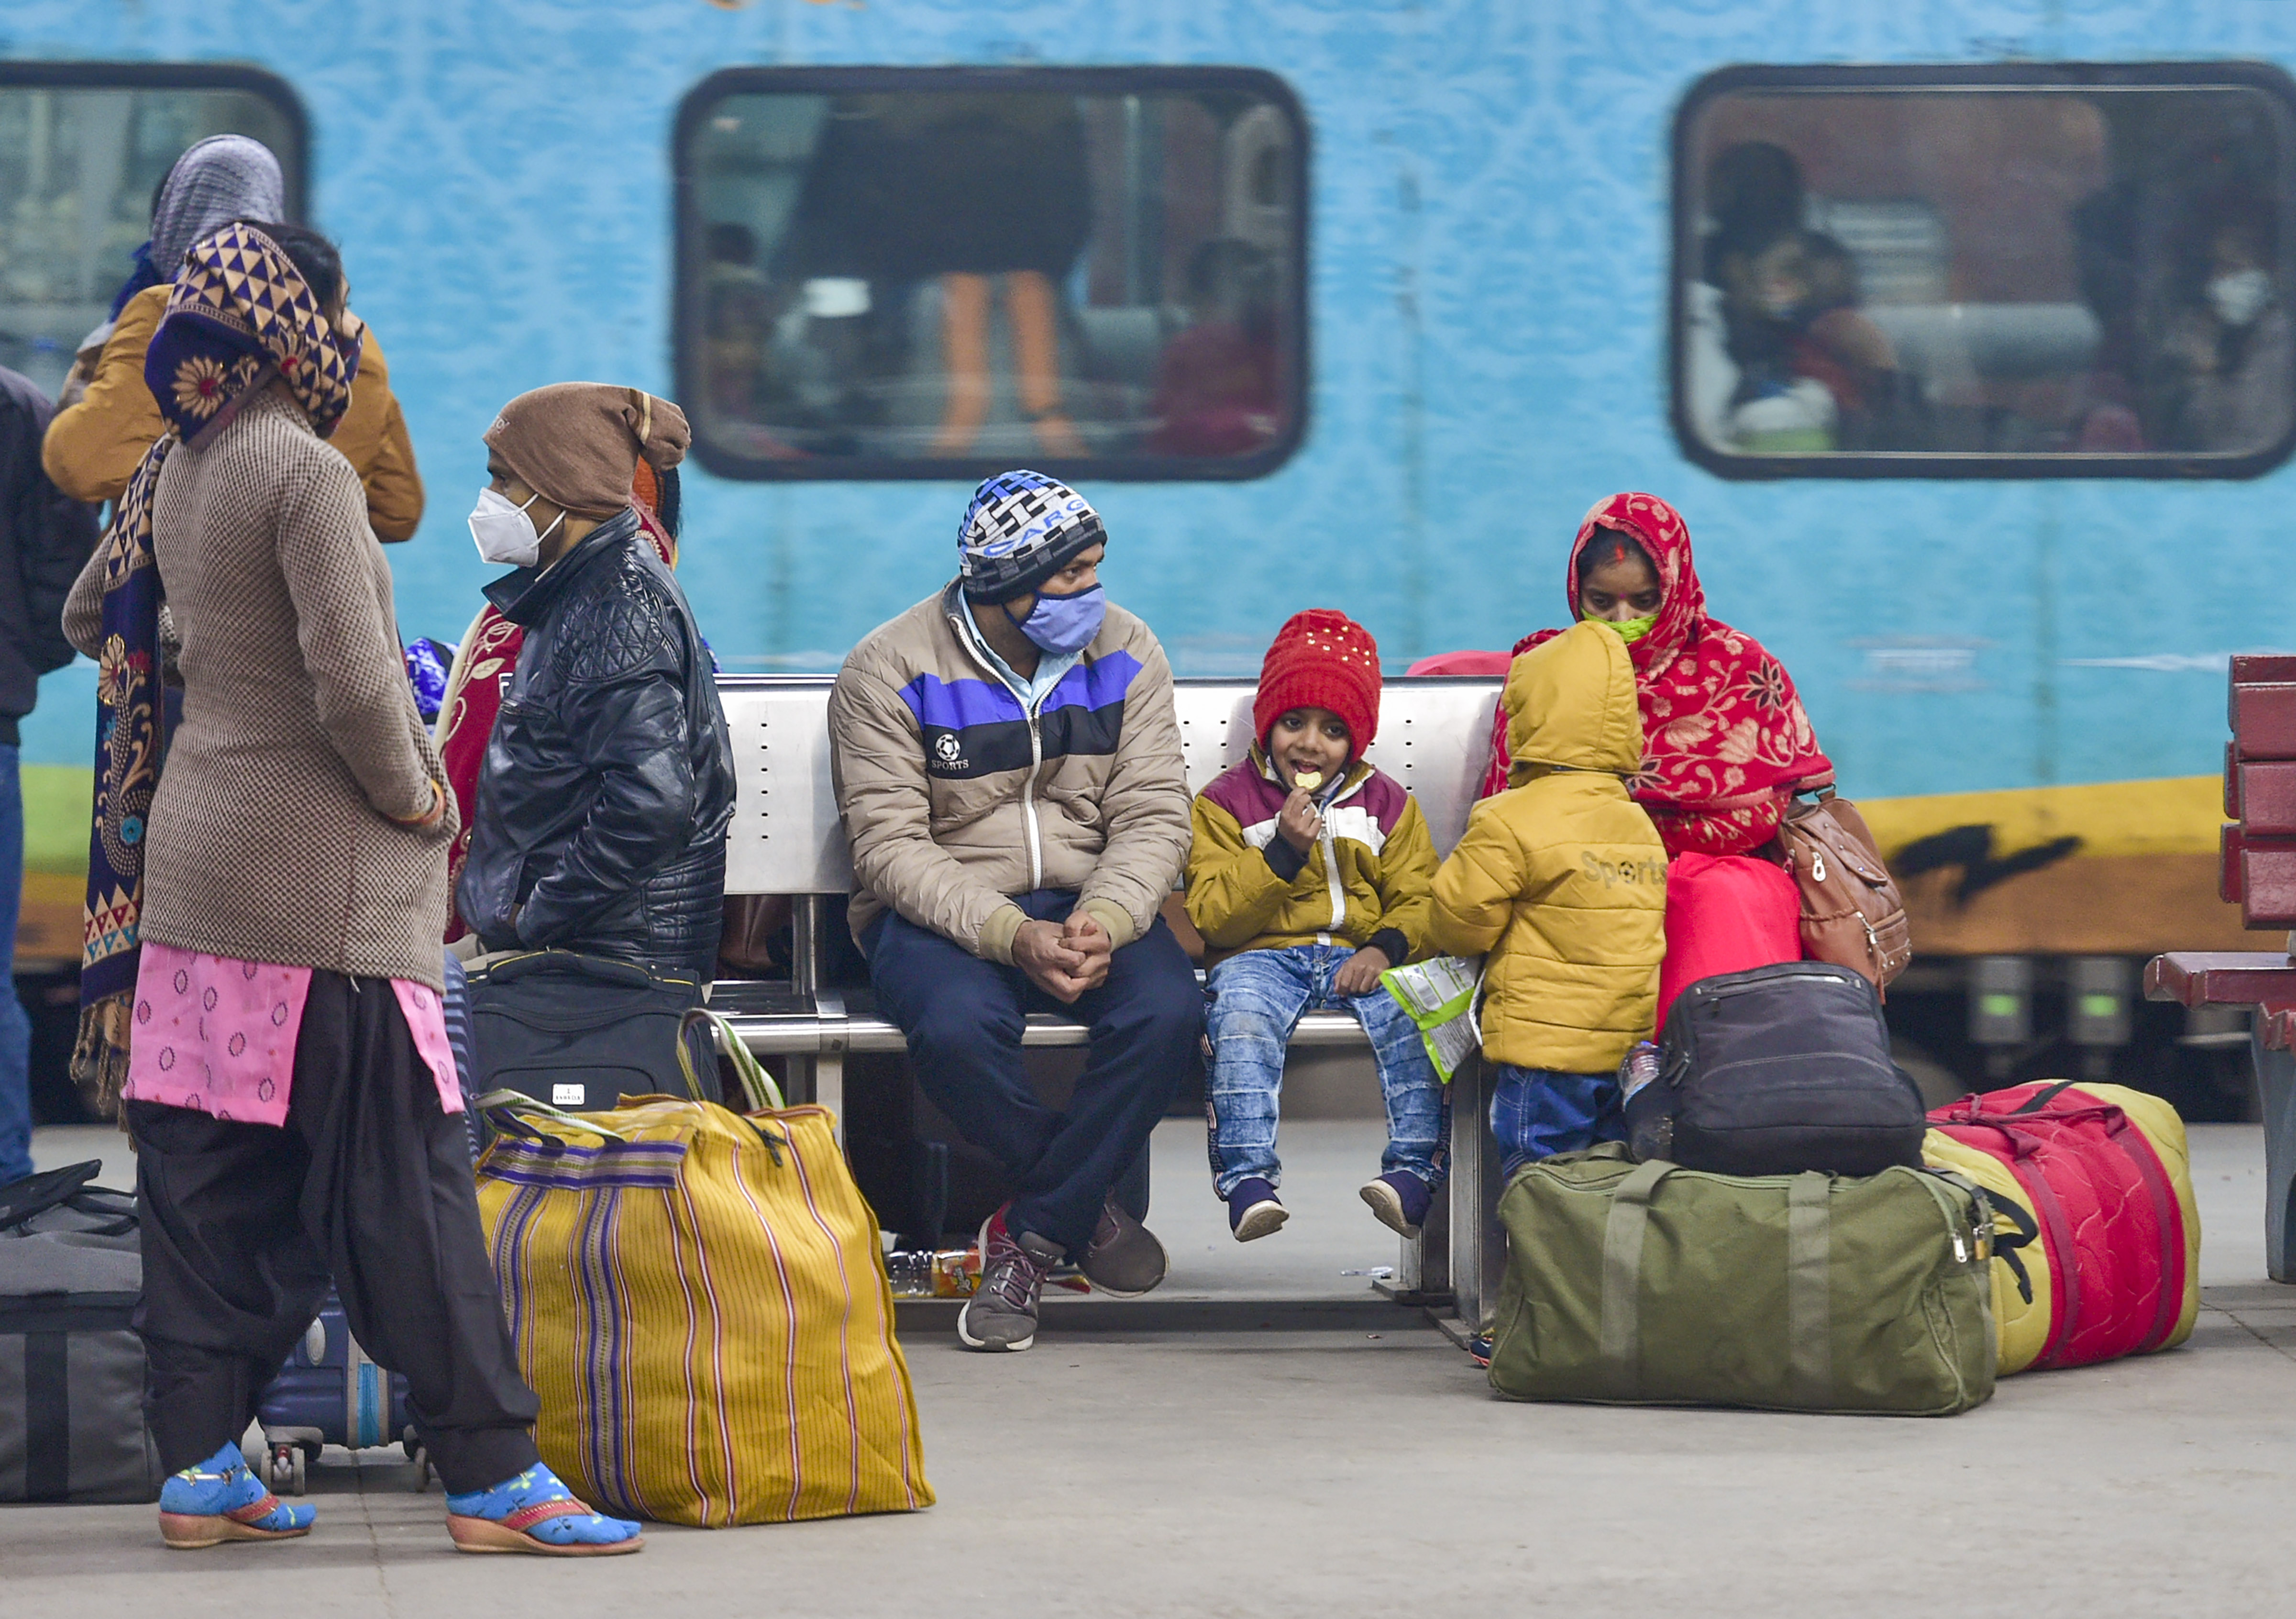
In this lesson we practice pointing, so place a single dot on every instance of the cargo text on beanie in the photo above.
(1320, 659)
(578, 444)
(1021, 529)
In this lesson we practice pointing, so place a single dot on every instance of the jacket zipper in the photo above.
(1028, 803)
(1036, 756)
(1332, 878)
(1330, 843)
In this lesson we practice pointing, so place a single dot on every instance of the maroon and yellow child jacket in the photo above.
(1372, 871)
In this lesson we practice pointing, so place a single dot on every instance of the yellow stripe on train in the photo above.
(2124, 868)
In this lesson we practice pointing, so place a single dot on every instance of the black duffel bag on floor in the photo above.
(71, 1367)
(1778, 1071)
(580, 1033)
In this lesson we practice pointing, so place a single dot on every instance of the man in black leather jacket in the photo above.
(608, 783)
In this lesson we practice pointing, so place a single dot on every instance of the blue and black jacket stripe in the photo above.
(975, 728)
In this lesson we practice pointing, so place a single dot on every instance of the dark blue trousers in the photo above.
(964, 1018)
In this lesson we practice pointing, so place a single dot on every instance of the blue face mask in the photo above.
(1063, 623)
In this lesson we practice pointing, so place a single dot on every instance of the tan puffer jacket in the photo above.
(1562, 877)
(956, 795)
(94, 446)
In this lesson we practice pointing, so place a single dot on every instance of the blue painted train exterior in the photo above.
(1488, 261)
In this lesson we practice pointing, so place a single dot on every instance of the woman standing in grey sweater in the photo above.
(265, 918)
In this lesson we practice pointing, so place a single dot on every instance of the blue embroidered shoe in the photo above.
(220, 1500)
(533, 1512)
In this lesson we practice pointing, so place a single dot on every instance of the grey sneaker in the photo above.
(1001, 1315)
(1125, 1260)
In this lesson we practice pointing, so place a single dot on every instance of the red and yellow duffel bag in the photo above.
(2101, 1174)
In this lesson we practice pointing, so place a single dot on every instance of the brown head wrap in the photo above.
(578, 444)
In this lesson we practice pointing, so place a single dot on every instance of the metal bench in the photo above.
(2257, 871)
(786, 839)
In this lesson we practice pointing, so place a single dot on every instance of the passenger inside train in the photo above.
(870, 290)
(1869, 281)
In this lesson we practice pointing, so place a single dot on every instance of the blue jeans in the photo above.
(1537, 1112)
(1257, 999)
(15, 1023)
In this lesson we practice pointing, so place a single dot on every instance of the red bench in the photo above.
(2257, 871)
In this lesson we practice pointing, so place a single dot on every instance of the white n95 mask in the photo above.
(503, 533)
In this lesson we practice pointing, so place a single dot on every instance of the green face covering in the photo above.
(1632, 629)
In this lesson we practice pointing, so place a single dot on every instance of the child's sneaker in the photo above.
(220, 1500)
(533, 1512)
(1401, 1201)
(1252, 1210)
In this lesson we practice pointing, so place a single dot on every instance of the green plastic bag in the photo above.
(1438, 994)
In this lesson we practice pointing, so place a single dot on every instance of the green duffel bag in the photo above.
(1651, 1283)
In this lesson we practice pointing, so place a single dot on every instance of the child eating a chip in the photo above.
(1311, 874)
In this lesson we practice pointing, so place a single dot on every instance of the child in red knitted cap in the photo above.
(1311, 874)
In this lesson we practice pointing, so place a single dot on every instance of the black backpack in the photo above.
(1778, 1071)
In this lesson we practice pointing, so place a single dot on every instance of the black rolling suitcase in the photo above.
(581, 1032)
(1778, 1071)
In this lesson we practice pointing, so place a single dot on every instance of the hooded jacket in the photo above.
(1562, 877)
(94, 446)
(1372, 872)
(955, 795)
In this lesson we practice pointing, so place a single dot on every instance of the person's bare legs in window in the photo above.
(964, 357)
(1034, 308)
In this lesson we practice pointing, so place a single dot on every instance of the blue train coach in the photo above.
(1959, 331)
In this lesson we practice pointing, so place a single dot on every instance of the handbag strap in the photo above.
(514, 1105)
(1623, 1231)
(758, 1086)
(1809, 1288)
(35, 1195)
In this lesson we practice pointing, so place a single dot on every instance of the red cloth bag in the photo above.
(2107, 1208)
(1725, 913)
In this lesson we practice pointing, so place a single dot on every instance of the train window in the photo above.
(2022, 271)
(82, 148)
(935, 273)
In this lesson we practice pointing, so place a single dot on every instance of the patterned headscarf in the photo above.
(240, 315)
(1724, 737)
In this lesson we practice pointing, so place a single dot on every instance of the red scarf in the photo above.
(474, 689)
(1725, 739)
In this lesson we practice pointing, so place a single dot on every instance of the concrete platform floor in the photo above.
(1327, 1460)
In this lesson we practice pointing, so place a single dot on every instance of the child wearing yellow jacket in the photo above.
(1561, 880)
(1308, 877)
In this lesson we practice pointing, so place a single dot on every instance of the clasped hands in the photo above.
(1064, 958)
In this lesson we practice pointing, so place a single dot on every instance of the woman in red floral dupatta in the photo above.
(1725, 739)
(488, 652)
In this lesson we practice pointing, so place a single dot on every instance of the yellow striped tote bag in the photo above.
(699, 1297)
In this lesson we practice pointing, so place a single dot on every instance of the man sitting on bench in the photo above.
(1007, 763)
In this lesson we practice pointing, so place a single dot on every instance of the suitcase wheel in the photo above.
(288, 1469)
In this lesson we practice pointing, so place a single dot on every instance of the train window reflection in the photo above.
(922, 273)
(80, 160)
(1956, 273)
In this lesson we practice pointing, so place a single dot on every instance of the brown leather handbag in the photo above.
(1851, 912)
